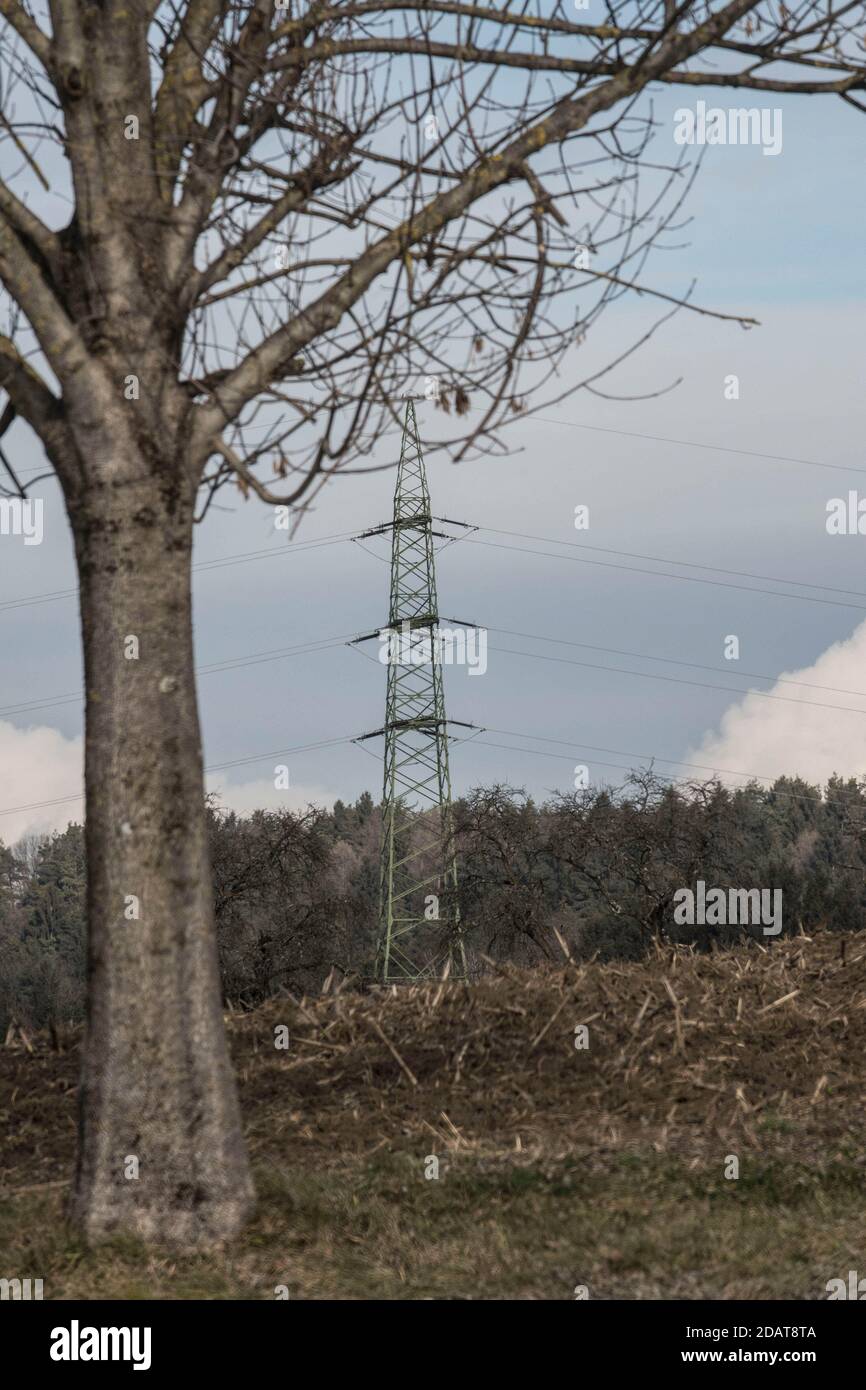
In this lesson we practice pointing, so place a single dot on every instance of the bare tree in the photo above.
(261, 223)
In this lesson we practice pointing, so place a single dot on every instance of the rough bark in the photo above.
(157, 1083)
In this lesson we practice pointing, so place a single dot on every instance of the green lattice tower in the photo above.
(418, 873)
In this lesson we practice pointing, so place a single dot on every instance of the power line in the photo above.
(328, 643)
(531, 416)
(663, 574)
(219, 562)
(292, 548)
(671, 661)
(226, 561)
(214, 767)
(666, 560)
(645, 758)
(690, 443)
(568, 757)
(623, 767)
(680, 680)
(230, 664)
(620, 753)
(277, 753)
(332, 643)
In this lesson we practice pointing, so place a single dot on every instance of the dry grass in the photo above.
(558, 1167)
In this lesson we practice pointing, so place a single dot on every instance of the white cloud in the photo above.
(38, 765)
(261, 795)
(799, 735)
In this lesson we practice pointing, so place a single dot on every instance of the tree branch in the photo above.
(267, 362)
(30, 398)
(27, 29)
(183, 90)
(30, 229)
(58, 337)
(321, 174)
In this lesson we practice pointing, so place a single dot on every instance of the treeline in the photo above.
(595, 872)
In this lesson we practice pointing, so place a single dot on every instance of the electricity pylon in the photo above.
(419, 919)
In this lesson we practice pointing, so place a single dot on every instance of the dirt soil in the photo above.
(587, 1123)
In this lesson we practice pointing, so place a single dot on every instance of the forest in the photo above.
(590, 874)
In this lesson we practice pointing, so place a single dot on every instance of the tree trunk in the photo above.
(161, 1154)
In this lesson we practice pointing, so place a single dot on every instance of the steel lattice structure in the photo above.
(419, 919)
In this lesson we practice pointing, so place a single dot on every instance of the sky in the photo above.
(707, 518)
